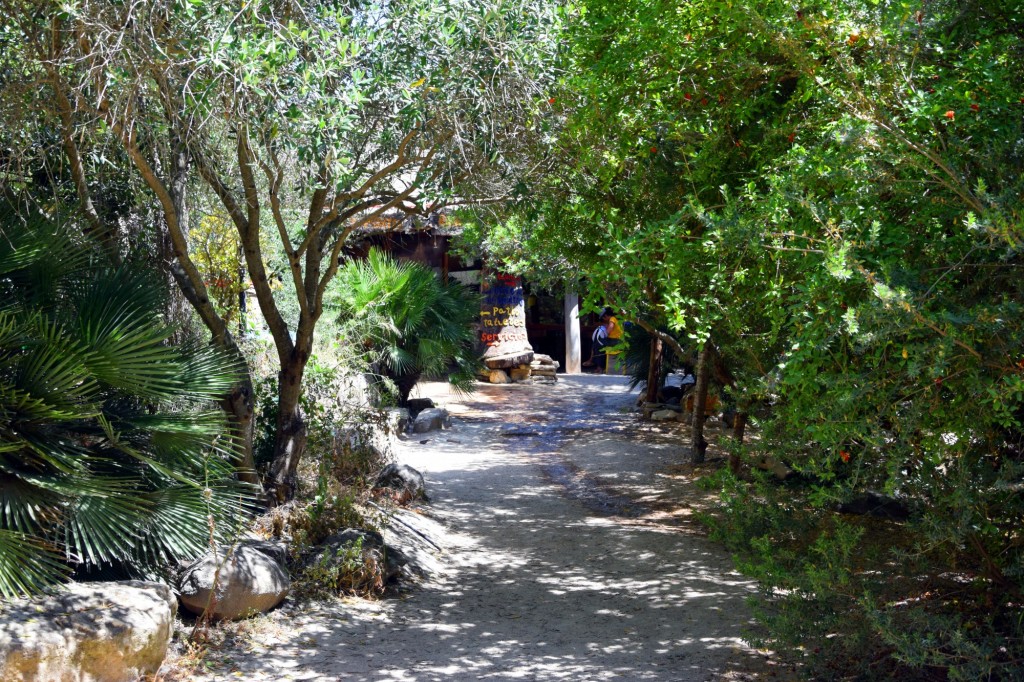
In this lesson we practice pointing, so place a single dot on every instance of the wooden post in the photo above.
(573, 351)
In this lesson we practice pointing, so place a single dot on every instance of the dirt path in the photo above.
(559, 561)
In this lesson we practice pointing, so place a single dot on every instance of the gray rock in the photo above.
(250, 582)
(664, 415)
(90, 632)
(432, 419)
(275, 549)
(402, 478)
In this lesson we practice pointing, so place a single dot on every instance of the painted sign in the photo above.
(503, 316)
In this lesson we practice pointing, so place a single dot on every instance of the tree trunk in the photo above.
(654, 371)
(238, 406)
(739, 426)
(405, 383)
(698, 445)
(290, 442)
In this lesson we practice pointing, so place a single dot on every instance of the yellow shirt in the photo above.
(614, 328)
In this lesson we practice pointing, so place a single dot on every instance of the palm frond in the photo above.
(28, 564)
(409, 321)
(104, 456)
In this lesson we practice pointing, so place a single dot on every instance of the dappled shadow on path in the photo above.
(544, 581)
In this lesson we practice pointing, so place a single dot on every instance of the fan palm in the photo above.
(410, 323)
(111, 450)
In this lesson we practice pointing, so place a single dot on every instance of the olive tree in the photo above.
(307, 120)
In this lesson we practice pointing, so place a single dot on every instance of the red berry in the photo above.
(687, 97)
(844, 455)
(975, 107)
(951, 115)
(551, 101)
(792, 136)
(654, 150)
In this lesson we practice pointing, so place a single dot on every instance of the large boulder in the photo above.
(406, 483)
(90, 632)
(250, 581)
(432, 419)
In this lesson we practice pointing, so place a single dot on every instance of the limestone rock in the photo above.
(498, 376)
(509, 361)
(432, 419)
(664, 415)
(90, 632)
(520, 373)
(544, 371)
(250, 582)
(404, 480)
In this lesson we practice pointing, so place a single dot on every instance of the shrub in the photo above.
(111, 448)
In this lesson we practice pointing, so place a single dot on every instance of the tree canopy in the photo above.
(828, 198)
(305, 121)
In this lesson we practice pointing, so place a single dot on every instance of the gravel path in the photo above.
(552, 567)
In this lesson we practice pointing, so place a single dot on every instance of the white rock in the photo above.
(90, 632)
(664, 415)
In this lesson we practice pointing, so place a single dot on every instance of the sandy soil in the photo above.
(566, 553)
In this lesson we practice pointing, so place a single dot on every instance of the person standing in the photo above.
(608, 334)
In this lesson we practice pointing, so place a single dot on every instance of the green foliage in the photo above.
(410, 324)
(831, 194)
(109, 452)
(351, 569)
